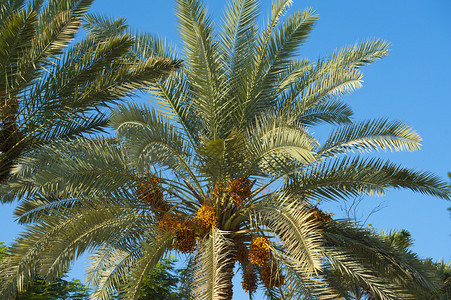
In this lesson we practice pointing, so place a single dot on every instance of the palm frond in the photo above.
(293, 224)
(102, 27)
(88, 229)
(238, 20)
(152, 140)
(288, 37)
(334, 76)
(173, 99)
(203, 69)
(292, 72)
(345, 263)
(350, 177)
(331, 111)
(374, 134)
(237, 45)
(273, 139)
(73, 127)
(82, 167)
(24, 264)
(276, 46)
(7, 8)
(76, 7)
(376, 262)
(153, 252)
(57, 239)
(16, 34)
(360, 54)
(148, 45)
(107, 270)
(31, 210)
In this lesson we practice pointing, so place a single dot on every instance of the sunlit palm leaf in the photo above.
(369, 135)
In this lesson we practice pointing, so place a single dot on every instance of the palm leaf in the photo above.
(363, 250)
(375, 134)
(293, 224)
(107, 270)
(203, 69)
(153, 140)
(343, 178)
(102, 27)
(152, 254)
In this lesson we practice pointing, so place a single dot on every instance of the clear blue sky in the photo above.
(412, 84)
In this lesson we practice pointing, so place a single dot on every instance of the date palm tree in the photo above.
(51, 90)
(225, 170)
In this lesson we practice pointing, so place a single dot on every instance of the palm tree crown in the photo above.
(193, 175)
(51, 90)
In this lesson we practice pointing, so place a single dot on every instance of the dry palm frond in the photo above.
(214, 263)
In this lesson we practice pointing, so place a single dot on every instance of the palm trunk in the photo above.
(226, 264)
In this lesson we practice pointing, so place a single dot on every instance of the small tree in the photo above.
(162, 283)
(58, 289)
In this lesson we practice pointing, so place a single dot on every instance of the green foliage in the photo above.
(444, 271)
(161, 283)
(353, 288)
(58, 289)
(52, 88)
(3, 251)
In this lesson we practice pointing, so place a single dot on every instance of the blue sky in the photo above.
(412, 84)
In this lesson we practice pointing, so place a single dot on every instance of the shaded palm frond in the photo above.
(82, 167)
(33, 249)
(30, 211)
(383, 267)
(346, 264)
(7, 8)
(99, 225)
(300, 237)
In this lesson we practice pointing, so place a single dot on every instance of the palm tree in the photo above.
(225, 171)
(50, 90)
